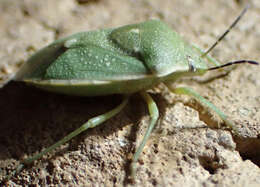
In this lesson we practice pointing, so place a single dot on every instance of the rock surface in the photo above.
(185, 149)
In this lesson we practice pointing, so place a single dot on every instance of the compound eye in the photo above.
(192, 68)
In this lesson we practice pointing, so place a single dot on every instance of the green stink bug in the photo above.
(124, 60)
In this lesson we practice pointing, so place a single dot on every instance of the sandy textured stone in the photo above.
(185, 149)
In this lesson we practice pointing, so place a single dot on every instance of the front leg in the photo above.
(204, 102)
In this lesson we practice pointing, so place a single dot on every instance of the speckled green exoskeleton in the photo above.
(124, 60)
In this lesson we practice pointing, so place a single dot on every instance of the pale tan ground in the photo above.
(183, 150)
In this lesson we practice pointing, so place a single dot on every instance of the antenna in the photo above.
(227, 31)
(234, 62)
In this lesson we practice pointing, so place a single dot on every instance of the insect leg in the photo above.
(91, 123)
(205, 102)
(153, 110)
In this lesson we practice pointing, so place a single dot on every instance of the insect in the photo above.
(124, 60)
